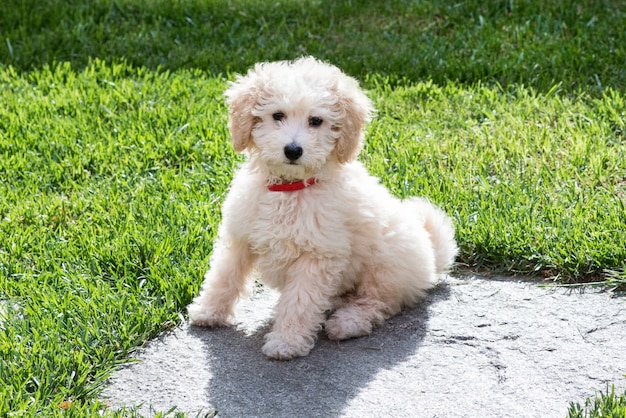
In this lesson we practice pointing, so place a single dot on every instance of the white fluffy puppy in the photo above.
(310, 220)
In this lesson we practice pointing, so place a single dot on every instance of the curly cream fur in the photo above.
(343, 245)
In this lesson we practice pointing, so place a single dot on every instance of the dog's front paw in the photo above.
(204, 316)
(285, 347)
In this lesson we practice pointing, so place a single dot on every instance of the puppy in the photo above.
(304, 217)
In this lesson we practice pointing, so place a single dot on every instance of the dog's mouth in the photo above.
(292, 169)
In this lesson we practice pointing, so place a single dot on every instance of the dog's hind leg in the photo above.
(375, 299)
(357, 317)
(231, 263)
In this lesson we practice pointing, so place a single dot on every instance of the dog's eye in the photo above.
(278, 116)
(315, 121)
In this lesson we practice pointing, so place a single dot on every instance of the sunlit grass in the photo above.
(609, 404)
(112, 178)
(109, 184)
(535, 181)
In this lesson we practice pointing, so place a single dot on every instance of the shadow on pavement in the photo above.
(244, 382)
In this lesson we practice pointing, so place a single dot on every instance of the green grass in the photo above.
(535, 43)
(114, 153)
(605, 405)
(535, 182)
(112, 180)
(109, 185)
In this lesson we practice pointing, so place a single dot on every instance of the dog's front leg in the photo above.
(231, 263)
(310, 285)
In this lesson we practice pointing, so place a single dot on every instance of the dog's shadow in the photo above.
(244, 382)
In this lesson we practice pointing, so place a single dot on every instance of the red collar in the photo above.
(292, 187)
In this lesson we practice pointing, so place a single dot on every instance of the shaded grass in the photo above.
(539, 44)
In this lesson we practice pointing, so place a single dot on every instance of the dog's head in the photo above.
(296, 115)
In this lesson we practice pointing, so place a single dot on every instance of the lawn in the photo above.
(604, 404)
(115, 158)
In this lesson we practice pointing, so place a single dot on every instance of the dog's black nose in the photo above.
(293, 151)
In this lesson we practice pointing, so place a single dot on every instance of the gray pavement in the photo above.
(474, 348)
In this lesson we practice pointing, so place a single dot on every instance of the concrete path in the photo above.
(473, 348)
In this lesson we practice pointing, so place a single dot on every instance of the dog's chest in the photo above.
(286, 225)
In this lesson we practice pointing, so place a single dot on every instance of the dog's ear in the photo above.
(241, 98)
(356, 110)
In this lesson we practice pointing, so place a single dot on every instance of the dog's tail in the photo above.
(441, 231)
